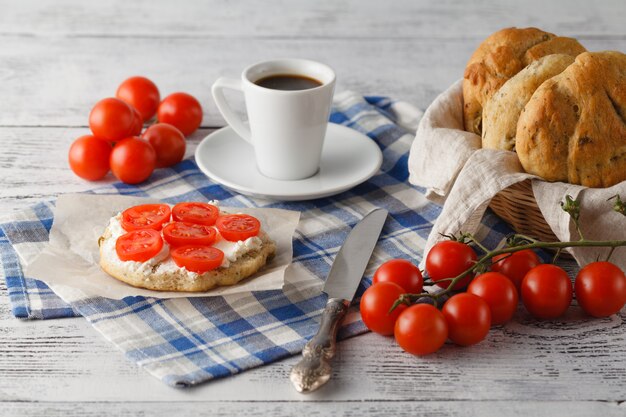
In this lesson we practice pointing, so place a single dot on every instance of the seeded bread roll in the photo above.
(241, 269)
(574, 126)
(501, 56)
(503, 109)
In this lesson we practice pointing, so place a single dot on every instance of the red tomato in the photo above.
(499, 293)
(402, 272)
(180, 234)
(142, 94)
(138, 245)
(468, 317)
(112, 119)
(515, 265)
(235, 227)
(89, 157)
(145, 216)
(447, 259)
(198, 213)
(133, 160)
(181, 110)
(135, 130)
(196, 258)
(376, 303)
(600, 289)
(421, 329)
(168, 142)
(546, 291)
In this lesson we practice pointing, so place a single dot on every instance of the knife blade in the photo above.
(314, 369)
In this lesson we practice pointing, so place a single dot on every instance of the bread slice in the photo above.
(180, 280)
(502, 110)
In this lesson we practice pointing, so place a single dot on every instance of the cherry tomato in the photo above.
(182, 111)
(180, 234)
(499, 293)
(138, 245)
(515, 265)
(447, 259)
(376, 303)
(198, 213)
(145, 216)
(402, 272)
(142, 94)
(546, 291)
(600, 289)
(421, 329)
(133, 160)
(168, 142)
(89, 157)
(235, 227)
(197, 258)
(112, 119)
(137, 126)
(468, 317)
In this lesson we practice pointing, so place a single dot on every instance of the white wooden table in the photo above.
(57, 58)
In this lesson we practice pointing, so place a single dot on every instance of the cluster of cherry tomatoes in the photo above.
(117, 142)
(490, 298)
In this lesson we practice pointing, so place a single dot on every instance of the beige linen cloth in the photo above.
(457, 173)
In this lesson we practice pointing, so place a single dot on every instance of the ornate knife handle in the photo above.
(314, 368)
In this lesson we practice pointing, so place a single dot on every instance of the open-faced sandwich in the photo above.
(188, 247)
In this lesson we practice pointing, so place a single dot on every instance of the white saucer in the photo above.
(348, 159)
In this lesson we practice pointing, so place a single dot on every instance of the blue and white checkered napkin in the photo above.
(186, 341)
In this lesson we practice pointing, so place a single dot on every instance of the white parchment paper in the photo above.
(69, 262)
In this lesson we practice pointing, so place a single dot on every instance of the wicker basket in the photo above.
(517, 206)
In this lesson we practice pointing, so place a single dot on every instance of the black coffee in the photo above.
(288, 82)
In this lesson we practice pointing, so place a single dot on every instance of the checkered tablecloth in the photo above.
(187, 341)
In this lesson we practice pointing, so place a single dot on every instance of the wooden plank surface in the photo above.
(59, 57)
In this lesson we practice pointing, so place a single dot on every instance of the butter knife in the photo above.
(314, 369)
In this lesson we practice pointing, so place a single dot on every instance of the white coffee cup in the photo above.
(286, 127)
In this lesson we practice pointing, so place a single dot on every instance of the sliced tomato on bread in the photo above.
(194, 212)
(139, 245)
(180, 234)
(145, 216)
(235, 227)
(197, 258)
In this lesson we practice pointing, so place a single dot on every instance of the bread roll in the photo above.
(502, 110)
(574, 126)
(501, 56)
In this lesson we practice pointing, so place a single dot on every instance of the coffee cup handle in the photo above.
(231, 117)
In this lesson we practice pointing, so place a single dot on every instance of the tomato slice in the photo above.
(198, 213)
(145, 216)
(234, 227)
(179, 234)
(197, 258)
(139, 245)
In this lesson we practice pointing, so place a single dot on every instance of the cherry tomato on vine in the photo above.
(468, 317)
(515, 265)
(168, 143)
(546, 291)
(142, 94)
(449, 258)
(112, 119)
(402, 272)
(89, 157)
(133, 160)
(600, 289)
(182, 111)
(421, 329)
(499, 293)
(376, 303)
